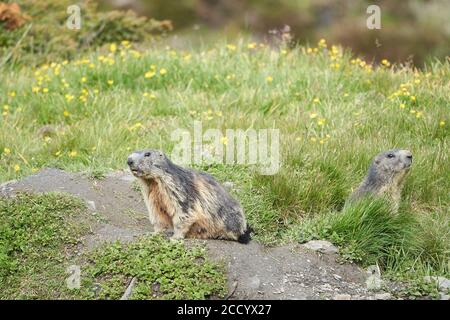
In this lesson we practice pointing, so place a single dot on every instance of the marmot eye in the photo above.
(147, 154)
(390, 155)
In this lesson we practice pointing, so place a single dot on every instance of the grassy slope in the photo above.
(334, 113)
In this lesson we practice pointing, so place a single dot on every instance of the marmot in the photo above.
(191, 203)
(385, 177)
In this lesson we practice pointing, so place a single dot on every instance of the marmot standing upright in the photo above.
(191, 203)
(386, 176)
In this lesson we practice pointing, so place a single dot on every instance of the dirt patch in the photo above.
(254, 271)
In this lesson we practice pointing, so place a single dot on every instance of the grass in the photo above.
(39, 235)
(335, 112)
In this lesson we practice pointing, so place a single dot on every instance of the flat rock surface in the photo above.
(254, 271)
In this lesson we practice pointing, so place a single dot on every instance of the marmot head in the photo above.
(148, 164)
(393, 162)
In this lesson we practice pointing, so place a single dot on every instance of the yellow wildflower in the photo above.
(112, 47)
(322, 43)
(7, 151)
(224, 140)
(16, 168)
(321, 121)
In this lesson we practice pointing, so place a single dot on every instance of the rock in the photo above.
(342, 297)
(443, 283)
(321, 246)
(91, 205)
(444, 296)
(383, 296)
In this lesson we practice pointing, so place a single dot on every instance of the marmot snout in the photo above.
(191, 203)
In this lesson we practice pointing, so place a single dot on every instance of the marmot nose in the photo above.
(130, 161)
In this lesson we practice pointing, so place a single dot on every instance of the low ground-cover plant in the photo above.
(40, 237)
(163, 270)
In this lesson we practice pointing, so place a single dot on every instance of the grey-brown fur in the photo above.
(191, 203)
(385, 177)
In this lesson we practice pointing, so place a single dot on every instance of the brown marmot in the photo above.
(191, 203)
(386, 177)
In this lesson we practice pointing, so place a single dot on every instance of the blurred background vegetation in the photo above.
(413, 31)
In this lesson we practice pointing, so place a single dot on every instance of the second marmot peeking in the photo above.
(191, 203)
(386, 177)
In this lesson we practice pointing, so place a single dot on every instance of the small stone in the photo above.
(444, 296)
(342, 297)
(337, 277)
(321, 246)
(443, 283)
(91, 205)
(383, 296)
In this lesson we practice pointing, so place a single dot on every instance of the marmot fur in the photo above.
(386, 176)
(191, 203)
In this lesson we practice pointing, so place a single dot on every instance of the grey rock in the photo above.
(443, 283)
(321, 246)
(383, 296)
(444, 296)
